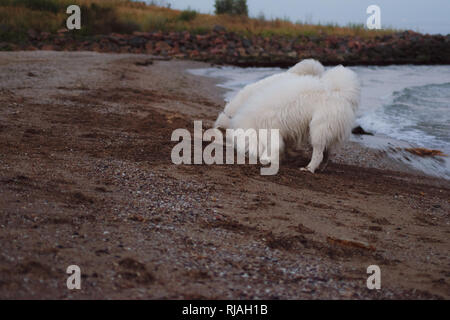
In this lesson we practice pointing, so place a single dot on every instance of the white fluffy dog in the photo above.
(305, 67)
(306, 109)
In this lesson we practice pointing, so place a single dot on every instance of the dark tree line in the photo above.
(235, 7)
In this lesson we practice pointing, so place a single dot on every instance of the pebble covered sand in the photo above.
(86, 179)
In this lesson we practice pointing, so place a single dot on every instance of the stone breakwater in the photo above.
(222, 47)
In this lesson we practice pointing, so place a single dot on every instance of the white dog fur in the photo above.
(306, 109)
(305, 67)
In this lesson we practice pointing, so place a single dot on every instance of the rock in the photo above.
(32, 34)
(137, 42)
(194, 53)
(161, 47)
(141, 34)
(242, 52)
(144, 63)
(149, 47)
(125, 49)
(246, 43)
(360, 130)
(45, 35)
(219, 29)
(175, 50)
(218, 41)
(256, 50)
(48, 47)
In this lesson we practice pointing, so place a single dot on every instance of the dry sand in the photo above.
(86, 179)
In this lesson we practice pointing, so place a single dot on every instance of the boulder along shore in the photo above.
(223, 47)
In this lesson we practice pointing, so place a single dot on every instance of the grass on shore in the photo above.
(125, 16)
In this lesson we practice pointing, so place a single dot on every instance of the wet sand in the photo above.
(86, 178)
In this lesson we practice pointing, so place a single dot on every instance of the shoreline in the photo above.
(229, 48)
(86, 179)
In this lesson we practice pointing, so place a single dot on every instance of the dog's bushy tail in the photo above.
(345, 82)
(308, 67)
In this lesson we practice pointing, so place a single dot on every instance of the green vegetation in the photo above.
(17, 17)
(187, 15)
(41, 5)
(233, 7)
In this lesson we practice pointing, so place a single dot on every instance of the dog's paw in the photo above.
(307, 169)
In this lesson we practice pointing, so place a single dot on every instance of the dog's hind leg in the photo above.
(316, 159)
(326, 158)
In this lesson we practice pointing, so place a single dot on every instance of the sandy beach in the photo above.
(86, 178)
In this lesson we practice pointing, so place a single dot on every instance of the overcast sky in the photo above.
(427, 16)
